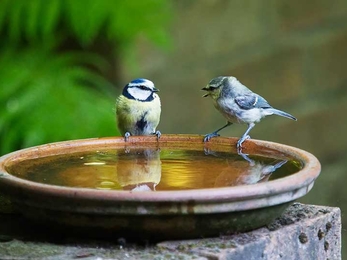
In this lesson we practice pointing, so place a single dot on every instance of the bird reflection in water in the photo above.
(139, 169)
(245, 171)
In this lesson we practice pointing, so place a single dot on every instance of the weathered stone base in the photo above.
(302, 232)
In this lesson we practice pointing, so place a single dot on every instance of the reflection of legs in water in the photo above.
(271, 168)
(245, 156)
(262, 169)
(249, 171)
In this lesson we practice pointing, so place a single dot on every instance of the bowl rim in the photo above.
(293, 183)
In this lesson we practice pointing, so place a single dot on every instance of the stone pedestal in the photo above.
(302, 232)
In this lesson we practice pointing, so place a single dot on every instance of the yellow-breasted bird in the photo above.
(138, 109)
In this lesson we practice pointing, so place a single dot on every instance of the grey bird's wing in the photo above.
(249, 101)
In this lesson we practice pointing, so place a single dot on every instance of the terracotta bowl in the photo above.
(161, 214)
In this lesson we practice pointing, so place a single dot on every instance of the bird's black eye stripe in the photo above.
(143, 87)
(213, 87)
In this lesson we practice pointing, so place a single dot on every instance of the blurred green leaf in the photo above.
(121, 21)
(51, 93)
(51, 101)
(14, 17)
(50, 17)
(85, 18)
(3, 10)
(31, 17)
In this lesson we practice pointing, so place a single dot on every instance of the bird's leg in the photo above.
(279, 164)
(215, 133)
(245, 156)
(126, 136)
(158, 134)
(245, 136)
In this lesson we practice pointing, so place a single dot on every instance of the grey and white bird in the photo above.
(238, 104)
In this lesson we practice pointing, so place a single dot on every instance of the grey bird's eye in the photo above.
(215, 87)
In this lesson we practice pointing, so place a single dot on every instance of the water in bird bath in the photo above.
(153, 169)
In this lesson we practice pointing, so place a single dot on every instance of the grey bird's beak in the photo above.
(155, 90)
(206, 89)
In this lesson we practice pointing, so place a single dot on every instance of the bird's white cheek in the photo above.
(139, 93)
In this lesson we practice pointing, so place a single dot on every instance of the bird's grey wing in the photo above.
(249, 101)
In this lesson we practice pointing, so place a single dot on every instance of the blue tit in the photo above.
(138, 109)
(238, 104)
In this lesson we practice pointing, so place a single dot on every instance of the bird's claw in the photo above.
(158, 134)
(126, 136)
(240, 142)
(209, 136)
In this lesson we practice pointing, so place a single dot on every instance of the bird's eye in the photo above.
(142, 87)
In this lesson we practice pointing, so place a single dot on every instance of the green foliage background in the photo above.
(57, 65)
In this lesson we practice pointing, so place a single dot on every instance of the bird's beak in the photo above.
(155, 90)
(206, 89)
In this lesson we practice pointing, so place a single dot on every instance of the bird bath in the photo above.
(176, 188)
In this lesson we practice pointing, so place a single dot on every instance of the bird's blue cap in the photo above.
(139, 80)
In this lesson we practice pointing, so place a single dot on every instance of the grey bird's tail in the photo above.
(282, 113)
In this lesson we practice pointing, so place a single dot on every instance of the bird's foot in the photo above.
(158, 134)
(126, 136)
(240, 141)
(209, 136)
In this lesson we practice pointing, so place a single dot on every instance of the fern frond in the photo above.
(47, 100)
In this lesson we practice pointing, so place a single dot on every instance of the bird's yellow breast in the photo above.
(130, 112)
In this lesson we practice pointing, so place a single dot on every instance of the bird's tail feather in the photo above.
(282, 113)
